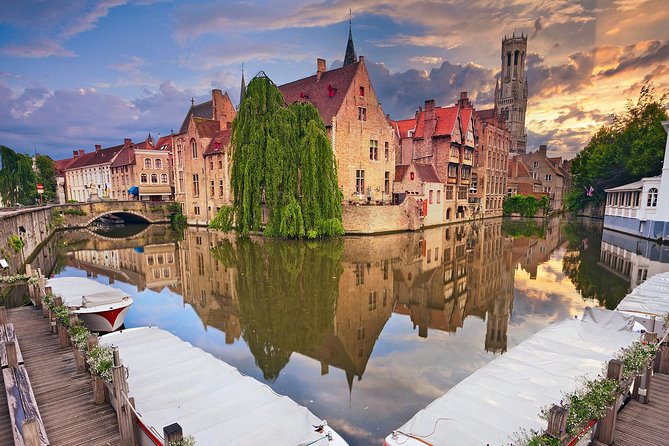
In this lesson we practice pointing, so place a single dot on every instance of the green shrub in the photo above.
(57, 219)
(16, 243)
(74, 211)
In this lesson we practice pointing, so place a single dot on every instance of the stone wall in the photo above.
(33, 226)
(380, 219)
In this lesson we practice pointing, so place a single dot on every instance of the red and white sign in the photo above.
(40, 189)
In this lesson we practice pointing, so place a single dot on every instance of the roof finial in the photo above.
(192, 102)
(350, 56)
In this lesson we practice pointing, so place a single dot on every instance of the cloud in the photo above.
(36, 49)
(577, 113)
(426, 60)
(640, 55)
(89, 19)
(131, 73)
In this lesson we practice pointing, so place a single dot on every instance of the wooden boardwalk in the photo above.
(646, 424)
(6, 436)
(64, 397)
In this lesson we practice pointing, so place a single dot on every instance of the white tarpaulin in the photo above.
(648, 300)
(82, 292)
(507, 394)
(174, 382)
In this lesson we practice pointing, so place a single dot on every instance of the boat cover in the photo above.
(507, 394)
(82, 292)
(174, 382)
(649, 299)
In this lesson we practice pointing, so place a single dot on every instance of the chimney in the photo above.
(418, 112)
(81, 152)
(542, 148)
(361, 58)
(464, 101)
(321, 67)
(430, 121)
(98, 147)
(127, 142)
(75, 154)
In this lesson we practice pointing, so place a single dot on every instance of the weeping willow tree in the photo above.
(17, 178)
(287, 293)
(283, 158)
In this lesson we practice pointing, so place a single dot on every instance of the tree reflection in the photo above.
(287, 294)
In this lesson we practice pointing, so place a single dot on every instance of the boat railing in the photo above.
(636, 387)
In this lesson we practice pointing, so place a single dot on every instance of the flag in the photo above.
(589, 191)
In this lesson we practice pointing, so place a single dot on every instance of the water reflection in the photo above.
(414, 313)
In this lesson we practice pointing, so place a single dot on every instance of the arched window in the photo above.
(193, 146)
(147, 163)
(154, 178)
(158, 163)
(515, 57)
(163, 178)
(508, 58)
(143, 178)
(652, 198)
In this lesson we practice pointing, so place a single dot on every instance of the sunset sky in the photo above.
(78, 73)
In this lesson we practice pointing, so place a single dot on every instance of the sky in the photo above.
(78, 73)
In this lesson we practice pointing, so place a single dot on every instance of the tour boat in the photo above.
(100, 307)
(172, 381)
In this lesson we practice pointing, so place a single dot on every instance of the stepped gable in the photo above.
(219, 142)
(203, 110)
(326, 94)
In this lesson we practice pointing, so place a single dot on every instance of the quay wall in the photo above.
(379, 219)
(34, 226)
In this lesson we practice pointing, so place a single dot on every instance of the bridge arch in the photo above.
(131, 216)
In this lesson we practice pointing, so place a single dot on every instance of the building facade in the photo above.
(549, 172)
(88, 177)
(511, 93)
(489, 179)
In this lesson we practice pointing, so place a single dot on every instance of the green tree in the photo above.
(17, 178)
(283, 157)
(46, 175)
(630, 148)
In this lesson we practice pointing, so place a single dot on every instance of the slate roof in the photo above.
(310, 90)
(219, 142)
(203, 110)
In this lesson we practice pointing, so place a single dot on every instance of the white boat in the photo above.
(100, 307)
(649, 303)
(174, 382)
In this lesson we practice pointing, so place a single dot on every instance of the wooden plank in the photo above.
(14, 403)
(7, 334)
(30, 409)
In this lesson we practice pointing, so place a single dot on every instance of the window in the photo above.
(386, 183)
(147, 163)
(430, 196)
(468, 154)
(508, 58)
(154, 178)
(359, 274)
(386, 152)
(438, 196)
(455, 152)
(220, 188)
(196, 186)
(163, 178)
(462, 193)
(211, 164)
(515, 57)
(211, 189)
(549, 177)
(535, 164)
(362, 91)
(158, 163)
(180, 155)
(411, 176)
(652, 198)
(220, 163)
(360, 182)
(143, 178)
(449, 192)
(193, 147)
(373, 149)
(466, 172)
(362, 114)
(452, 170)
(197, 210)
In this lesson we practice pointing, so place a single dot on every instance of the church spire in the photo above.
(350, 56)
(242, 89)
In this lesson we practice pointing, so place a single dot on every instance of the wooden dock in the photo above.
(645, 424)
(6, 436)
(64, 397)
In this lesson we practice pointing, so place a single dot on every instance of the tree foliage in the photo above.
(526, 206)
(628, 149)
(46, 175)
(17, 178)
(283, 158)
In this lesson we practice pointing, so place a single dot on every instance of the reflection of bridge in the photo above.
(83, 214)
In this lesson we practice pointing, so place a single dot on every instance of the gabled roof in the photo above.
(125, 157)
(465, 117)
(103, 156)
(219, 142)
(402, 127)
(164, 143)
(426, 172)
(445, 121)
(309, 89)
(203, 110)
(206, 128)
(400, 171)
(61, 165)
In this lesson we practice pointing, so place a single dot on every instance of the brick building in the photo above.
(196, 164)
(363, 140)
(489, 178)
(549, 172)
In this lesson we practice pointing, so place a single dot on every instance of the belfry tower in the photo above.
(511, 92)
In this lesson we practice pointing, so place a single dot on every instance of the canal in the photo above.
(364, 331)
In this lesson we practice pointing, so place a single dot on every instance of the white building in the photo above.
(88, 177)
(641, 208)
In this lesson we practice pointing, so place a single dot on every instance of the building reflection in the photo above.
(330, 300)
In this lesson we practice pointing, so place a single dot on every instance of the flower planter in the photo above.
(99, 391)
(79, 360)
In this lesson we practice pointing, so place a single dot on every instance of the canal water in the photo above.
(364, 331)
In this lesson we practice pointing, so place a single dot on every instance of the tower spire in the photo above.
(242, 89)
(350, 56)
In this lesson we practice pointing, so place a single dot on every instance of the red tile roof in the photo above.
(206, 128)
(61, 165)
(317, 93)
(219, 142)
(465, 118)
(427, 173)
(445, 121)
(402, 127)
(125, 157)
(95, 158)
(164, 143)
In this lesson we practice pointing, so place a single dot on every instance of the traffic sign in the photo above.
(40, 189)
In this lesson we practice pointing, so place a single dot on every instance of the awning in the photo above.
(155, 189)
(134, 190)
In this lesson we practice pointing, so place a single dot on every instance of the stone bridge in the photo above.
(80, 215)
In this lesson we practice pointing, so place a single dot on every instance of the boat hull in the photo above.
(104, 319)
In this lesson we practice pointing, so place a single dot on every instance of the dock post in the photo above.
(30, 432)
(3, 315)
(47, 290)
(91, 342)
(557, 421)
(63, 335)
(606, 426)
(664, 359)
(646, 377)
(172, 433)
(12, 358)
(124, 413)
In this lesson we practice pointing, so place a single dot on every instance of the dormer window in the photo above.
(362, 91)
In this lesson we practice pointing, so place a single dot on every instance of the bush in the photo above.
(16, 243)
(526, 206)
(74, 211)
(57, 218)
(177, 218)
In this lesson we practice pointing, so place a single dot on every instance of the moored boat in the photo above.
(100, 307)
(173, 382)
